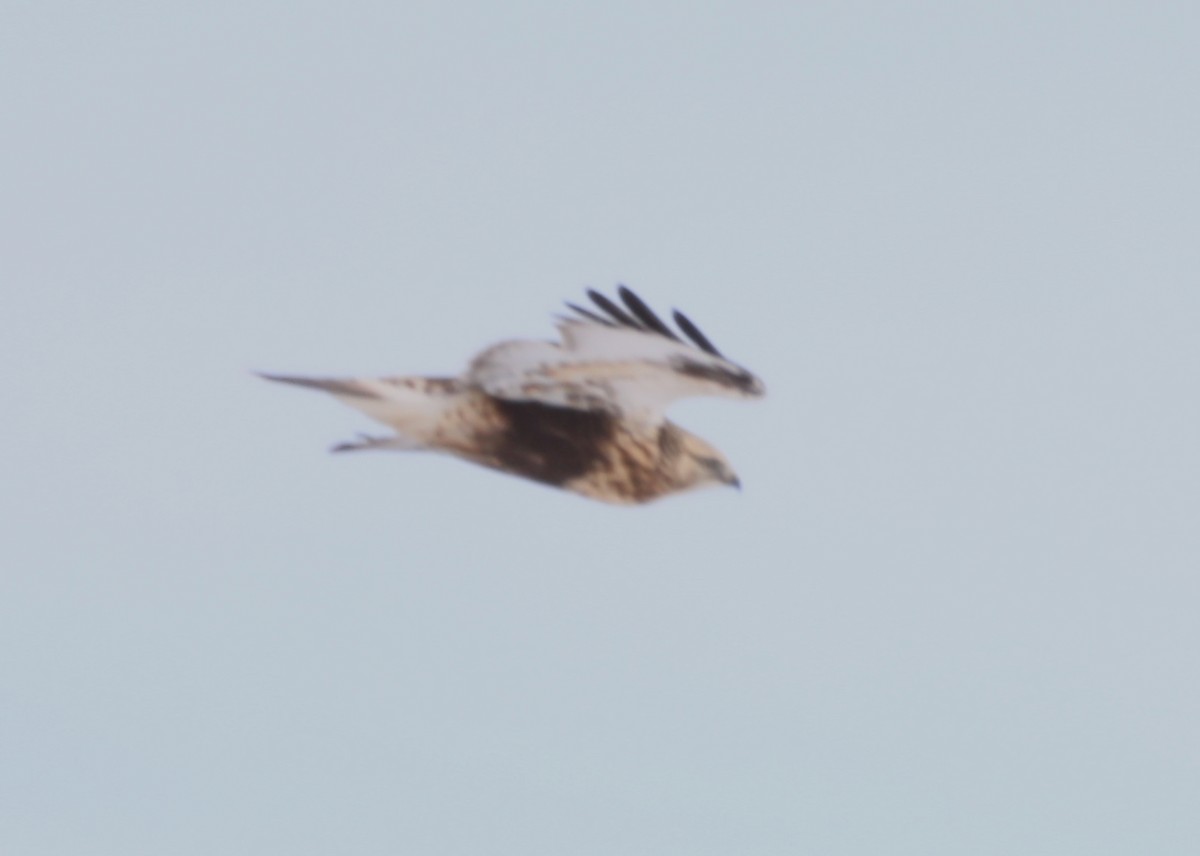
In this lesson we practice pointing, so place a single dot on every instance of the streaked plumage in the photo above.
(585, 414)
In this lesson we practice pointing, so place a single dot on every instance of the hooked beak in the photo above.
(734, 481)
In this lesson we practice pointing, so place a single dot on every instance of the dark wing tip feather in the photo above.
(693, 333)
(590, 315)
(645, 314)
(642, 318)
(616, 312)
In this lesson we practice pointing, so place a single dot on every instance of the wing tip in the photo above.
(638, 316)
(334, 386)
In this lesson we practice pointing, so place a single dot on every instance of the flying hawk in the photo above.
(585, 414)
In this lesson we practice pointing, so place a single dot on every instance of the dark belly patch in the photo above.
(550, 444)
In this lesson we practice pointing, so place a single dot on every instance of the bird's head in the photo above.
(701, 464)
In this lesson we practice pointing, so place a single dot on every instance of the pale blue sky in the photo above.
(954, 610)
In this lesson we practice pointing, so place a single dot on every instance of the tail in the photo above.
(412, 406)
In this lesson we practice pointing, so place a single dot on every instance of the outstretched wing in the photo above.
(620, 359)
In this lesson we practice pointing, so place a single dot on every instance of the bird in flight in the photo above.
(585, 414)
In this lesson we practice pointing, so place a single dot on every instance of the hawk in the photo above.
(585, 414)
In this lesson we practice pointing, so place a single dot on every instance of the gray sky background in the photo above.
(954, 610)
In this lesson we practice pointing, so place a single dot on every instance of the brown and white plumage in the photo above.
(586, 414)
